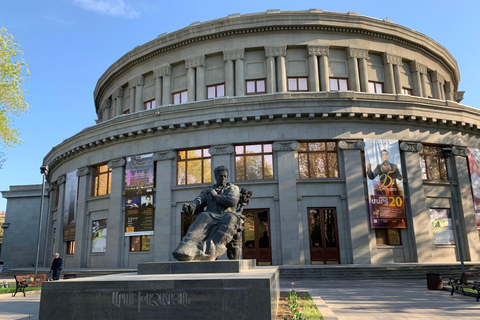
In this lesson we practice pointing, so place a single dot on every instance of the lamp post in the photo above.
(44, 171)
(449, 157)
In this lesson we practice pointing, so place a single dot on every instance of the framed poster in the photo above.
(442, 226)
(474, 169)
(99, 236)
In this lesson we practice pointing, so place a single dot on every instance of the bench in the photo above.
(463, 283)
(30, 280)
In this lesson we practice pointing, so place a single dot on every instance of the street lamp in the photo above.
(44, 172)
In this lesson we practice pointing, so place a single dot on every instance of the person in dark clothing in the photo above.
(56, 267)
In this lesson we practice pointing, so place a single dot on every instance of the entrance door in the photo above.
(322, 225)
(256, 236)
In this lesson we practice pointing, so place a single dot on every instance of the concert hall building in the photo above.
(348, 129)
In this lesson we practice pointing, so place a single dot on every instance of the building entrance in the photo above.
(322, 225)
(256, 236)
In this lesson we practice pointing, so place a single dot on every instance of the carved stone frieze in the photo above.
(351, 144)
(390, 58)
(220, 150)
(418, 67)
(162, 71)
(195, 62)
(138, 81)
(460, 151)
(318, 50)
(83, 171)
(407, 146)
(61, 179)
(286, 145)
(116, 163)
(280, 51)
(357, 53)
(237, 54)
(165, 155)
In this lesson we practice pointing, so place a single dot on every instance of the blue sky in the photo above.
(68, 44)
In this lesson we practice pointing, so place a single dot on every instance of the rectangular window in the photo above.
(216, 91)
(70, 247)
(101, 180)
(180, 97)
(254, 162)
(375, 87)
(57, 195)
(318, 159)
(407, 91)
(149, 105)
(126, 111)
(255, 86)
(194, 166)
(388, 237)
(140, 243)
(433, 163)
(297, 84)
(338, 84)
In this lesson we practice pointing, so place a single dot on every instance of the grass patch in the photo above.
(11, 289)
(466, 289)
(305, 302)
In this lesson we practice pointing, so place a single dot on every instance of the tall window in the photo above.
(254, 162)
(297, 84)
(149, 105)
(318, 159)
(433, 163)
(407, 91)
(140, 243)
(194, 166)
(375, 87)
(70, 247)
(388, 237)
(180, 97)
(255, 86)
(338, 84)
(101, 180)
(216, 91)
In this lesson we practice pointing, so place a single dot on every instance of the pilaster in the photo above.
(417, 69)
(82, 243)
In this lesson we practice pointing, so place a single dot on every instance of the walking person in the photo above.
(56, 267)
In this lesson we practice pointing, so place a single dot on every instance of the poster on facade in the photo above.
(70, 206)
(442, 226)
(139, 183)
(474, 166)
(386, 199)
(99, 235)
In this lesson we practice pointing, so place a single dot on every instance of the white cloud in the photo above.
(115, 8)
(59, 21)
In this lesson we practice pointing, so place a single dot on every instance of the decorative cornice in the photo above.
(280, 51)
(390, 58)
(418, 67)
(195, 62)
(61, 179)
(83, 171)
(407, 146)
(460, 151)
(357, 53)
(162, 71)
(286, 145)
(318, 50)
(237, 54)
(351, 144)
(220, 150)
(164, 155)
(116, 163)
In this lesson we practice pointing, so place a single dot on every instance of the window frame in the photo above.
(256, 81)
(426, 175)
(149, 105)
(96, 174)
(337, 79)
(309, 152)
(407, 91)
(244, 155)
(126, 112)
(70, 247)
(216, 87)
(296, 79)
(142, 239)
(375, 83)
(388, 238)
(202, 158)
(182, 95)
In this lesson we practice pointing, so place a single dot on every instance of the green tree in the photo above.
(13, 74)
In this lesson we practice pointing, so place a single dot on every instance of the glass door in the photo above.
(256, 236)
(322, 225)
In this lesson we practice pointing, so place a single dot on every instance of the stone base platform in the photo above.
(193, 293)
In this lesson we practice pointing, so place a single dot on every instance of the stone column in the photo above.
(116, 217)
(437, 80)
(324, 68)
(362, 244)
(417, 69)
(281, 74)
(353, 75)
(393, 82)
(119, 101)
(165, 71)
(196, 89)
(424, 83)
(139, 93)
(108, 108)
(276, 72)
(157, 75)
(358, 78)
(239, 77)
(229, 77)
(234, 80)
(201, 84)
(191, 84)
(103, 111)
(82, 223)
(131, 85)
(164, 213)
(290, 224)
(313, 76)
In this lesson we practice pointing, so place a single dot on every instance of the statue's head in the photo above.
(221, 175)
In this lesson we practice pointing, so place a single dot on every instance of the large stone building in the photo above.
(296, 105)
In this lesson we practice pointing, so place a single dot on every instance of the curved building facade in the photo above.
(348, 130)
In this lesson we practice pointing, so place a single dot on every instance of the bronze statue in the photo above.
(218, 224)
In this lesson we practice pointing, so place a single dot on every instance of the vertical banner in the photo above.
(70, 206)
(99, 235)
(474, 166)
(442, 226)
(139, 183)
(386, 199)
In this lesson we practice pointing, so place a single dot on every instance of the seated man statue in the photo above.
(218, 223)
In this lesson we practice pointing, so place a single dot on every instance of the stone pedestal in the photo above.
(172, 290)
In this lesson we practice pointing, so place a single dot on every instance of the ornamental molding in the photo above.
(351, 144)
(286, 146)
(221, 150)
(280, 51)
(164, 155)
(318, 50)
(357, 53)
(162, 71)
(436, 77)
(83, 171)
(61, 179)
(460, 151)
(116, 163)
(195, 62)
(237, 54)
(138, 81)
(418, 67)
(407, 146)
(391, 59)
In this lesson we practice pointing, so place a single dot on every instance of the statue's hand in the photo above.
(187, 209)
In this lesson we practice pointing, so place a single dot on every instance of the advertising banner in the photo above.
(99, 235)
(70, 206)
(474, 166)
(139, 180)
(442, 226)
(384, 181)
